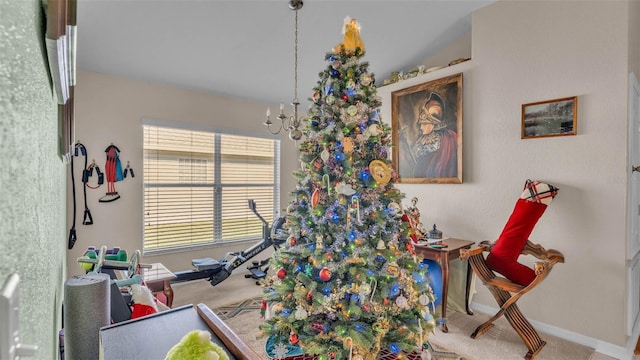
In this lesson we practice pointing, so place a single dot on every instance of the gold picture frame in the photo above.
(426, 121)
(557, 117)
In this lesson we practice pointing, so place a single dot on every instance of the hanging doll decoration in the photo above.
(113, 172)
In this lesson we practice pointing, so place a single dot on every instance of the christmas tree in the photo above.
(347, 283)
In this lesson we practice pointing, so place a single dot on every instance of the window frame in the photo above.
(217, 185)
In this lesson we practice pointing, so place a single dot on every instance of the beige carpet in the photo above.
(232, 300)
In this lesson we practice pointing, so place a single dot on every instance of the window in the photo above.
(197, 184)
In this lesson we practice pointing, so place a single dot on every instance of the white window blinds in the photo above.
(197, 184)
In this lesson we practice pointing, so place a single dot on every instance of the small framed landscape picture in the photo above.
(558, 117)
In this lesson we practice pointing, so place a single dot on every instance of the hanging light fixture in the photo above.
(290, 123)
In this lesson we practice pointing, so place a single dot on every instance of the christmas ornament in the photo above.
(402, 302)
(365, 79)
(326, 182)
(380, 172)
(325, 274)
(282, 273)
(293, 338)
(345, 189)
(301, 313)
(324, 155)
(393, 269)
(315, 197)
(395, 209)
(347, 145)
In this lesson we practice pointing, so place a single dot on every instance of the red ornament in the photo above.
(325, 274)
(315, 197)
(293, 338)
(309, 295)
(281, 273)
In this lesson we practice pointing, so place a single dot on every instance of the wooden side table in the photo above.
(443, 256)
(158, 279)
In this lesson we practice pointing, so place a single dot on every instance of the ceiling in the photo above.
(245, 48)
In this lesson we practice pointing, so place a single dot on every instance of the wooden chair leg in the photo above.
(501, 297)
(516, 319)
(525, 330)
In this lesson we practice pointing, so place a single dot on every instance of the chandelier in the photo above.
(290, 123)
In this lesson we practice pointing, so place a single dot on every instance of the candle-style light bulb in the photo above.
(268, 111)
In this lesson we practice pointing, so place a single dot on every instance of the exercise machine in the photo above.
(217, 271)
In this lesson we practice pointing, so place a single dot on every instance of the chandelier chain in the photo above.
(295, 68)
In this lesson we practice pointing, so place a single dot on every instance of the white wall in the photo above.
(529, 51)
(634, 37)
(109, 110)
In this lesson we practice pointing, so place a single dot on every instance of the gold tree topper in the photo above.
(351, 40)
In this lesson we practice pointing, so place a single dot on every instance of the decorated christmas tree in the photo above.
(347, 284)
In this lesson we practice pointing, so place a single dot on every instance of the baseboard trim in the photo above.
(605, 348)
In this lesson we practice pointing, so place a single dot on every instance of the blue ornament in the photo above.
(339, 156)
(394, 348)
(352, 236)
(365, 175)
(375, 116)
(326, 290)
(335, 73)
(328, 89)
(417, 277)
(351, 91)
(434, 277)
(394, 290)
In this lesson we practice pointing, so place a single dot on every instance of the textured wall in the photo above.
(32, 234)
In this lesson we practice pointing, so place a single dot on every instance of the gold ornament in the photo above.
(393, 269)
(380, 172)
(347, 145)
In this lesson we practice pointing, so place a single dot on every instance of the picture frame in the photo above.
(557, 117)
(426, 121)
(60, 39)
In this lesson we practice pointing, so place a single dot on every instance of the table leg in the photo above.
(168, 291)
(468, 289)
(444, 265)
